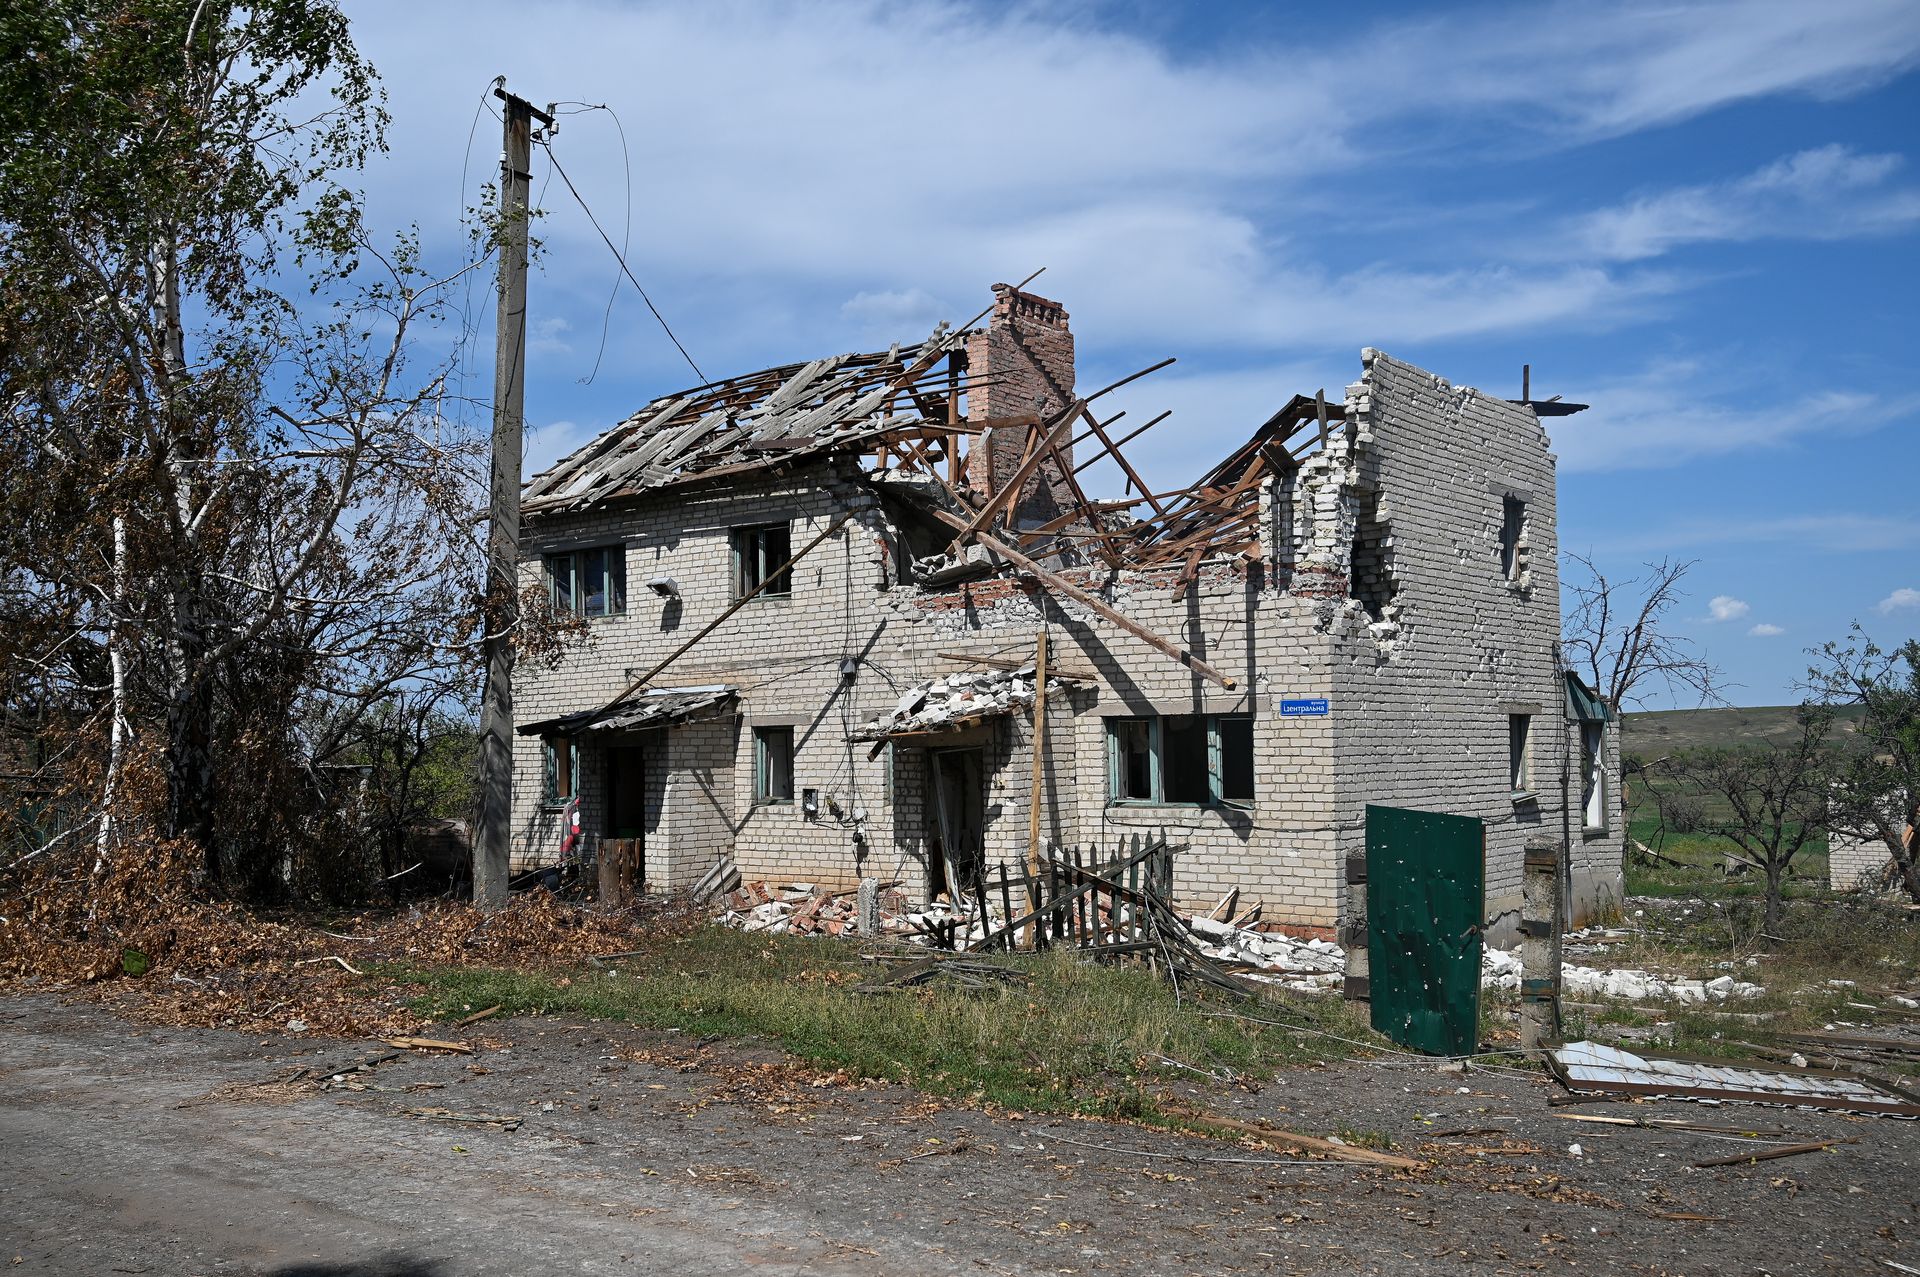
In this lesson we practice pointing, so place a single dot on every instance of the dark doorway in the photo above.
(626, 805)
(957, 821)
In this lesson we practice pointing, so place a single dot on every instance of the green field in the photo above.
(1651, 733)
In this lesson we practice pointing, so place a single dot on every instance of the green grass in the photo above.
(1072, 1037)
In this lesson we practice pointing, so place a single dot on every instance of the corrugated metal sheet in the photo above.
(1596, 1066)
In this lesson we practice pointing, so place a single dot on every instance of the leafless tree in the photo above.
(1618, 636)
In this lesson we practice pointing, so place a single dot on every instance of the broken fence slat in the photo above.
(1769, 1154)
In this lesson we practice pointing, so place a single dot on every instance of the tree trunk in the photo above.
(1905, 850)
(1775, 908)
(189, 770)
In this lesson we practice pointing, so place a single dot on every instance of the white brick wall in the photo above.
(1419, 700)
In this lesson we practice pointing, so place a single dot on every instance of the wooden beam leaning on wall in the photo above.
(1039, 775)
(1087, 599)
(839, 522)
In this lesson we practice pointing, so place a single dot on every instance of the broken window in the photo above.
(760, 554)
(1370, 580)
(1520, 754)
(772, 765)
(1593, 777)
(1513, 525)
(562, 770)
(590, 582)
(1135, 770)
(1181, 759)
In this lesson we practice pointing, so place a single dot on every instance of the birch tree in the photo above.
(251, 518)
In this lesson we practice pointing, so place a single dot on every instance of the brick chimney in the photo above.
(1025, 354)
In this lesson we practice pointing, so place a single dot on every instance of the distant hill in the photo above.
(1651, 733)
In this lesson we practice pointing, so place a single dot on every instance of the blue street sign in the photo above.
(1303, 707)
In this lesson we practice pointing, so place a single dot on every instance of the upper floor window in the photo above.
(1513, 531)
(1183, 759)
(591, 582)
(761, 554)
(1520, 755)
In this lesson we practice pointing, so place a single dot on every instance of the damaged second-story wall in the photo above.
(1433, 525)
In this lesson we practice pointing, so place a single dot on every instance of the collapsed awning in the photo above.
(956, 702)
(1582, 705)
(654, 708)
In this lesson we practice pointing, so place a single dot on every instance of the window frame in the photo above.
(551, 748)
(1594, 807)
(1520, 756)
(763, 790)
(613, 580)
(1117, 725)
(1513, 535)
(748, 544)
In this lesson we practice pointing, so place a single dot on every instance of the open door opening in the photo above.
(957, 819)
(624, 819)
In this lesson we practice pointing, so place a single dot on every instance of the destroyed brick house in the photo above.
(813, 595)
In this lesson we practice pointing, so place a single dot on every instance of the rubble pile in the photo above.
(1305, 966)
(1500, 969)
(950, 700)
(805, 909)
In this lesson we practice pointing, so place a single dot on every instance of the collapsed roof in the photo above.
(757, 421)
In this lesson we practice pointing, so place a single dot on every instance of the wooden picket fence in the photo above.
(1101, 906)
(1080, 897)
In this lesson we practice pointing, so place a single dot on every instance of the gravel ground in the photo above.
(130, 1149)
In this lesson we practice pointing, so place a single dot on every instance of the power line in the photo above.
(666, 327)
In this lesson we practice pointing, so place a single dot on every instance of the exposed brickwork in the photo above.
(1020, 364)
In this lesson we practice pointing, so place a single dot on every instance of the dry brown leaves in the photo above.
(137, 935)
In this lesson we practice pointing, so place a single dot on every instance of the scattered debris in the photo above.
(477, 1016)
(437, 1114)
(1500, 969)
(1334, 1149)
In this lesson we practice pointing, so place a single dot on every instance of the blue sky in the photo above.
(1703, 219)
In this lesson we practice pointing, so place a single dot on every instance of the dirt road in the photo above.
(127, 1149)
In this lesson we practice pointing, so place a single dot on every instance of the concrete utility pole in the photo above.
(492, 841)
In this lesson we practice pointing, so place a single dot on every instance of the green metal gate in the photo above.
(1426, 895)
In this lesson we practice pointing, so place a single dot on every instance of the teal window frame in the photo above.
(772, 772)
(1118, 728)
(575, 577)
(552, 748)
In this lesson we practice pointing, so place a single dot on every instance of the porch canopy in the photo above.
(654, 708)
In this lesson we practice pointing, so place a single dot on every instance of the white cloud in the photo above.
(1671, 413)
(1845, 533)
(1601, 70)
(1766, 630)
(1724, 607)
(786, 157)
(1900, 600)
(1830, 192)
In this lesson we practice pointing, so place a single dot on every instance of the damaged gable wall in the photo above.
(1423, 694)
